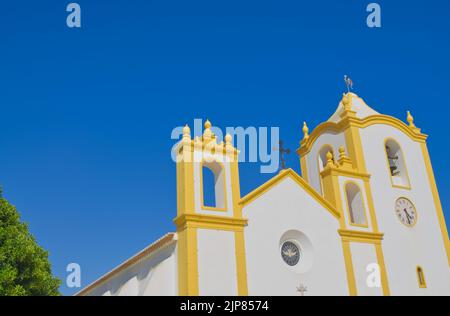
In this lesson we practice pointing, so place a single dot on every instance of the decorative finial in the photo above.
(305, 131)
(228, 139)
(186, 133)
(342, 152)
(207, 134)
(329, 159)
(186, 130)
(347, 101)
(410, 119)
(207, 124)
(348, 83)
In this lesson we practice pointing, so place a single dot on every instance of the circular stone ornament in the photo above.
(290, 252)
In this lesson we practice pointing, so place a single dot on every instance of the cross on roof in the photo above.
(283, 151)
(302, 289)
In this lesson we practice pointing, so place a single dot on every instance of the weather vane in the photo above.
(282, 151)
(348, 83)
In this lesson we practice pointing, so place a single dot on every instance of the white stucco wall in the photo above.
(288, 207)
(154, 275)
(406, 248)
(363, 255)
(216, 262)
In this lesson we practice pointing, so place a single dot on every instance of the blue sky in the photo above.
(87, 113)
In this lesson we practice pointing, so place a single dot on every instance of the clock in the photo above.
(406, 212)
(290, 253)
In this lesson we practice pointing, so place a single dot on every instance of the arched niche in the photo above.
(322, 156)
(355, 205)
(396, 164)
(213, 192)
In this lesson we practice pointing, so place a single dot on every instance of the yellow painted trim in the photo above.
(361, 123)
(336, 171)
(354, 147)
(241, 263)
(304, 168)
(349, 268)
(187, 262)
(360, 236)
(209, 146)
(371, 203)
(235, 189)
(366, 223)
(185, 181)
(419, 273)
(408, 186)
(299, 180)
(210, 222)
(437, 201)
(331, 193)
(383, 270)
(202, 202)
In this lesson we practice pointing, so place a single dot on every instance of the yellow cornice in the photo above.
(209, 146)
(360, 236)
(210, 222)
(336, 170)
(299, 180)
(306, 144)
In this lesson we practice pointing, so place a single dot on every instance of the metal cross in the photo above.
(348, 83)
(302, 289)
(283, 151)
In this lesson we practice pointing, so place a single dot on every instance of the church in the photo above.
(364, 218)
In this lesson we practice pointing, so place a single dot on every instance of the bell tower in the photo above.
(384, 186)
(211, 249)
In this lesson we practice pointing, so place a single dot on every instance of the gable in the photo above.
(285, 209)
(302, 184)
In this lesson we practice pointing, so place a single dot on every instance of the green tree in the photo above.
(24, 265)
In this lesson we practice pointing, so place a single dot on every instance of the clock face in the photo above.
(406, 212)
(290, 253)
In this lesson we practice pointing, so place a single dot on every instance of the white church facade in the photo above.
(364, 218)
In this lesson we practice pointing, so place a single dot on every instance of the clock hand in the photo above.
(408, 214)
(408, 217)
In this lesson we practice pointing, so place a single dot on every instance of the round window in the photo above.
(290, 253)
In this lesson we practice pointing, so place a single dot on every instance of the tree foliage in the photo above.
(24, 265)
